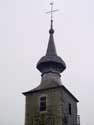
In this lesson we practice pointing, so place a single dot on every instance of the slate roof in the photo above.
(40, 88)
(51, 57)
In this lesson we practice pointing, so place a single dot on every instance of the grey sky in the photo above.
(23, 40)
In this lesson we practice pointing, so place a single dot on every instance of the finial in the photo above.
(51, 12)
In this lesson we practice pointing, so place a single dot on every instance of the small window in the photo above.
(43, 103)
(70, 109)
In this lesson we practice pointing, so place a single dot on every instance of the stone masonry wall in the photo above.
(57, 112)
(71, 119)
(53, 113)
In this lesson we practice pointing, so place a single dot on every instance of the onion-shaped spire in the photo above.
(51, 62)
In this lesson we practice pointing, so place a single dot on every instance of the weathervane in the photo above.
(52, 11)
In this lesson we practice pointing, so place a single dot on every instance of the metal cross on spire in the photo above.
(52, 11)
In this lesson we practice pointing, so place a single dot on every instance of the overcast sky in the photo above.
(23, 40)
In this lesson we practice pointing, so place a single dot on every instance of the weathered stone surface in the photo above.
(57, 108)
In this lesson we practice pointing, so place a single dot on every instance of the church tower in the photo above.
(51, 103)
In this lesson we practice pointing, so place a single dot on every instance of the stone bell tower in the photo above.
(51, 103)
